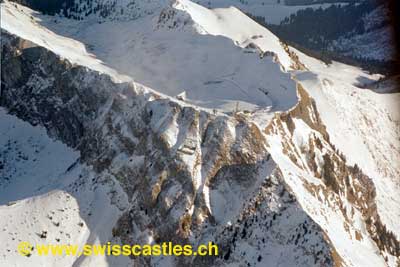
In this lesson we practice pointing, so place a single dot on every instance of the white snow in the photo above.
(235, 25)
(206, 54)
(25, 150)
(362, 124)
(320, 210)
(213, 71)
(19, 20)
(41, 193)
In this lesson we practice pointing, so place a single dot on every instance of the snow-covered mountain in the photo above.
(187, 124)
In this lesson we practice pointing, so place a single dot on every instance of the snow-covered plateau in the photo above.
(188, 124)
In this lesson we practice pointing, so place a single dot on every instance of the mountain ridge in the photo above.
(185, 161)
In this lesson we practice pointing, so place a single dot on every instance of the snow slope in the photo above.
(235, 25)
(167, 59)
(223, 60)
(352, 115)
(324, 207)
(362, 124)
(19, 20)
(168, 160)
(45, 189)
(24, 148)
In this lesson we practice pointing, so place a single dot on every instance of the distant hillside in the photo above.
(357, 34)
(50, 7)
(311, 2)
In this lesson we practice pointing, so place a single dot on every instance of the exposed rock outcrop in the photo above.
(190, 176)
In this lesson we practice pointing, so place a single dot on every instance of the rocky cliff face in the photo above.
(190, 176)
(300, 177)
(315, 167)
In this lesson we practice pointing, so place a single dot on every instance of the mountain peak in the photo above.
(169, 121)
